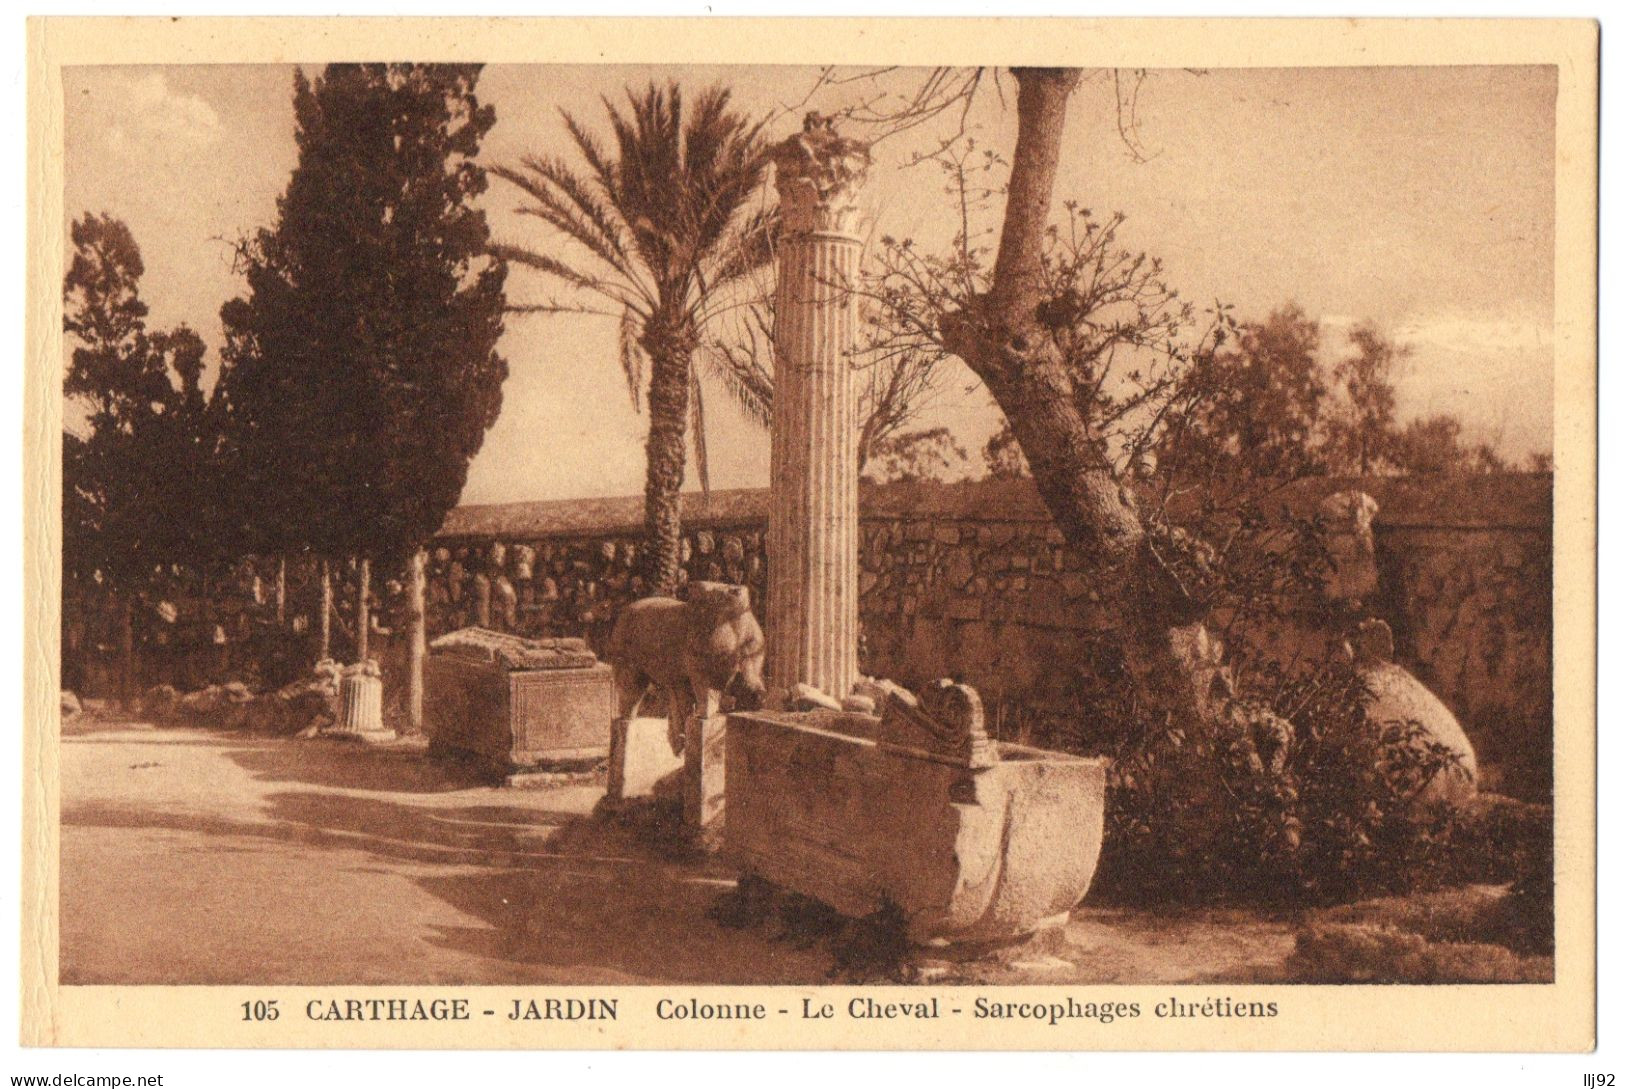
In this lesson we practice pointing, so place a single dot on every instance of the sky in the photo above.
(1421, 199)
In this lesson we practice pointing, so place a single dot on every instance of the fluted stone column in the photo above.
(812, 529)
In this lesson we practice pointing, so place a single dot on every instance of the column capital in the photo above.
(819, 175)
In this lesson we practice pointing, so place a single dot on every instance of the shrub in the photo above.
(1369, 953)
(1288, 798)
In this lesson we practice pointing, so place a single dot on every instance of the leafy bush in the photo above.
(1292, 798)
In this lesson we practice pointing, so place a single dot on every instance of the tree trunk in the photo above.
(281, 590)
(327, 611)
(1000, 338)
(363, 595)
(670, 345)
(416, 644)
(126, 651)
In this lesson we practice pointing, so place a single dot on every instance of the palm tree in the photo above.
(658, 234)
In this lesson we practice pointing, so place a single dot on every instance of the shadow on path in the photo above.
(553, 889)
(606, 907)
(353, 766)
(540, 884)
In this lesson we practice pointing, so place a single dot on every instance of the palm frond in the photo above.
(696, 407)
(563, 202)
(650, 169)
(598, 210)
(633, 362)
(725, 158)
(746, 381)
(552, 266)
(750, 246)
(603, 168)
(554, 307)
(741, 359)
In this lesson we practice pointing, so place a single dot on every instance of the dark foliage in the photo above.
(874, 949)
(1362, 433)
(362, 371)
(1252, 409)
(138, 479)
(925, 454)
(1291, 798)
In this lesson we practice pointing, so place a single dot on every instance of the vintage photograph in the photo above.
(817, 524)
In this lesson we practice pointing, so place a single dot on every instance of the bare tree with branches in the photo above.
(1079, 340)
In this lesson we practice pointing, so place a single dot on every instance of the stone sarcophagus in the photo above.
(516, 702)
(975, 841)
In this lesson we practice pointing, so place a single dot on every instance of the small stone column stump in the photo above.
(361, 704)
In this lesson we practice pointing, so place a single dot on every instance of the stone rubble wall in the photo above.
(973, 581)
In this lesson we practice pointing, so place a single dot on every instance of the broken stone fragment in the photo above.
(159, 702)
(368, 668)
(1264, 737)
(945, 724)
(237, 692)
(327, 673)
(804, 697)
(956, 706)
(203, 702)
(879, 690)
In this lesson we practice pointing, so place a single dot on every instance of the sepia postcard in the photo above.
(819, 534)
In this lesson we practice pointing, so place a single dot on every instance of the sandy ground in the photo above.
(197, 857)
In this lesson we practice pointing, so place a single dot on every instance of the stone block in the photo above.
(1395, 698)
(639, 757)
(1048, 610)
(516, 702)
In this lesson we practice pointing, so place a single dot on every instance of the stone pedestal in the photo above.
(704, 779)
(812, 594)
